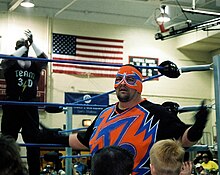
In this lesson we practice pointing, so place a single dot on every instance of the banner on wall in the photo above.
(71, 97)
(145, 61)
(86, 49)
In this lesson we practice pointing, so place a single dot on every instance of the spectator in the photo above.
(112, 160)
(10, 160)
(166, 157)
(79, 166)
(198, 168)
(208, 164)
(198, 158)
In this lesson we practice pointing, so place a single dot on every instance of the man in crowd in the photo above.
(208, 164)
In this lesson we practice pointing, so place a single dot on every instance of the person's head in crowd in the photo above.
(198, 158)
(205, 158)
(166, 157)
(10, 160)
(112, 160)
(198, 168)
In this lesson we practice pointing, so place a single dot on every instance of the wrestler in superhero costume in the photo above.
(22, 77)
(135, 124)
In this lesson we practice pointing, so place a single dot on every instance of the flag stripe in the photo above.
(98, 45)
(87, 49)
(99, 51)
(85, 74)
(110, 61)
(100, 39)
(89, 69)
(84, 67)
(96, 56)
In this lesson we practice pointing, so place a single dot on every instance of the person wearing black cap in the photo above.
(22, 77)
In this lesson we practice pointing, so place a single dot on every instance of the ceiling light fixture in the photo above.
(163, 17)
(27, 3)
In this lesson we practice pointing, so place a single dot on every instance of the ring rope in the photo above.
(96, 96)
(75, 156)
(72, 130)
(182, 69)
(22, 103)
(66, 157)
(73, 62)
(74, 104)
(40, 145)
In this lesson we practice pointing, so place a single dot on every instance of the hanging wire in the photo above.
(182, 9)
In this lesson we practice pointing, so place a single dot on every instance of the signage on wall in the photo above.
(145, 61)
(71, 97)
(41, 91)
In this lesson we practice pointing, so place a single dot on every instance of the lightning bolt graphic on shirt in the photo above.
(24, 86)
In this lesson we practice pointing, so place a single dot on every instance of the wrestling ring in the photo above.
(166, 68)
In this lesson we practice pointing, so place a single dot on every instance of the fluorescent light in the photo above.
(27, 4)
(163, 18)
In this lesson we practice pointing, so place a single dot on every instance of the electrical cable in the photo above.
(182, 10)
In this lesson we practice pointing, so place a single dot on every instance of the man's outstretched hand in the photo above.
(29, 36)
(201, 116)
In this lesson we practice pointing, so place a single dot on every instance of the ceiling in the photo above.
(139, 13)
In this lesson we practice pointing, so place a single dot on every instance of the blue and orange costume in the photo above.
(135, 129)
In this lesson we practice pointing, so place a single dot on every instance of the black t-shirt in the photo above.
(22, 82)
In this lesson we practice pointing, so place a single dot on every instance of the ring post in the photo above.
(68, 162)
(195, 68)
(216, 61)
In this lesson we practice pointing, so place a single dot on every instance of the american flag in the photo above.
(86, 49)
